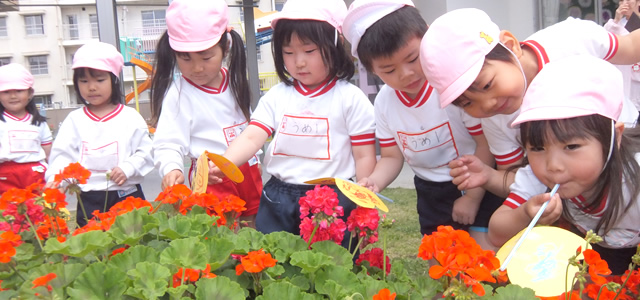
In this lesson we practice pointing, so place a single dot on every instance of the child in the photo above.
(322, 125)
(486, 71)
(25, 138)
(208, 106)
(385, 35)
(106, 137)
(574, 143)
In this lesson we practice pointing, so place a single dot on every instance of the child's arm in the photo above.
(628, 46)
(140, 162)
(365, 159)
(507, 222)
(240, 150)
(386, 169)
(469, 172)
(47, 150)
(64, 150)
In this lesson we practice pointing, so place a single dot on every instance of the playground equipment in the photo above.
(134, 56)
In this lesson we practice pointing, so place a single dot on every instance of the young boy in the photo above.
(385, 35)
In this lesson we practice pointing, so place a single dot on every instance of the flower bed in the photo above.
(191, 245)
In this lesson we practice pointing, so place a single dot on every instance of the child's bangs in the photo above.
(539, 133)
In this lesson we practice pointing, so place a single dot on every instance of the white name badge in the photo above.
(433, 148)
(303, 136)
(102, 158)
(23, 141)
(232, 132)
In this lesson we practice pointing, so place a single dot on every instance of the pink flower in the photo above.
(363, 223)
(326, 231)
(320, 199)
(19, 224)
(374, 257)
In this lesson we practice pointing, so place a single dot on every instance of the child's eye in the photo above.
(287, 52)
(572, 146)
(415, 59)
(488, 85)
(535, 149)
(309, 51)
(389, 72)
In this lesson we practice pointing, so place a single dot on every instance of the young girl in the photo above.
(208, 105)
(322, 125)
(385, 36)
(569, 130)
(25, 138)
(486, 71)
(106, 137)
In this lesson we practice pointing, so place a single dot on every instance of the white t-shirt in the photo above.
(21, 141)
(314, 130)
(118, 139)
(195, 118)
(631, 73)
(428, 136)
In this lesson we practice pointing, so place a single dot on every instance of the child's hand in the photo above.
(465, 209)
(369, 184)
(551, 213)
(172, 178)
(118, 176)
(50, 185)
(469, 172)
(215, 175)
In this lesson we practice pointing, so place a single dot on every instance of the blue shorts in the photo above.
(94, 200)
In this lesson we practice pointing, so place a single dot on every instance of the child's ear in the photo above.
(31, 92)
(511, 42)
(619, 128)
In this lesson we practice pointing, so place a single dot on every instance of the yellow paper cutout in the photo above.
(322, 181)
(226, 167)
(201, 178)
(360, 195)
(541, 261)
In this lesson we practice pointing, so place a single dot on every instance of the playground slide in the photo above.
(146, 67)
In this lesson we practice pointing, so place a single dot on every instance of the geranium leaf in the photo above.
(177, 292)
(284, 291)
(98, 281)
(332, 289)
(372, 287)
(275, 271)
(175, 227)
(219, 288)
(79, 245)
(149, 280)
(340, 276)
(219, 250)
(65, 275)
(24, 252)
(309, 261)
(128, 259)
(513, 291)
(129, 228)
(282, 244)
(249, 239)
(185, 253)
(340, 255)
(201, 224)
(427, 287)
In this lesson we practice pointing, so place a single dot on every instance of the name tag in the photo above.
(303, 136)
(127, 192)
(429, 149)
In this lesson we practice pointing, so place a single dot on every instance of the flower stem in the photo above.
(356, 249)
(183, 273)
(623, 284)
(86, 217)
(16, 270)
(312, 234)
(384, 257)
(34, 230)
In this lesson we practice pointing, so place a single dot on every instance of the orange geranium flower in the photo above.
(14, 239)
(384, 294)
(44, 281)
(174, 194)
(128, 205)
(15, 196)
(597, 266)
(56, 226)
(73, 173)
(255, 262)
(55, 196)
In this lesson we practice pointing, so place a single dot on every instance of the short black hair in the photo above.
(389, 34)
(116, 93)
(323, 34)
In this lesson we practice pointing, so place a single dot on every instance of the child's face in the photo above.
(401, 70)
(303, 60)
(203, 68)
(498, 90)
(96, 88)
(575, 165)
(15, 101)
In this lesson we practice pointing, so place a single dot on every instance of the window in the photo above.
(73, 27)
(5, 61)
(279, 4)
(38, 65)
(153, 22)
(3, 26)
(33, 25)
(93, 19)
(43, 100)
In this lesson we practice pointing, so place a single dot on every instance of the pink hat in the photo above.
(15, 77)
(196, 25)
(452, 51)
(364, 13)
(99, 56)
(576, 86)
(330, 11)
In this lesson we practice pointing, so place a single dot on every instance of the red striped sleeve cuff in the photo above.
(475, 130)
(613, 46)
(263, 126)
(387, 142)
(46, 143)
(510, 158)
(363, 139)
(514, 201)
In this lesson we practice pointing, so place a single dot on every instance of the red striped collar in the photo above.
(106, 117)
(543, 58)
(321, 89)
(420, 99)
(580, 202)
(212, 90)
(26, 118)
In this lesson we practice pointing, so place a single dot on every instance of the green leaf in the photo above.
(219, 250)
(373, 287)
(128, 259)
(201, 223)
(335, 281)
(65, 275)
(427, 287)
(310, 262)
(129, 228)
(8, 294)
(175, 227)
(24, 252)
(79, 245)
(284, 291)
(275, 271)
(282, 244)
(219, 288)
(149, 280)
(248, 239)
(340, 255)
(177, 292)
(513, 291)
(98, 281)
(186, 253)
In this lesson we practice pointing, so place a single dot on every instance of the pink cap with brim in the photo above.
(364, 13)
(195, 26)
(576, 86)
(330, 11)
(99, 56)
(453, 50)
(15, 77)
